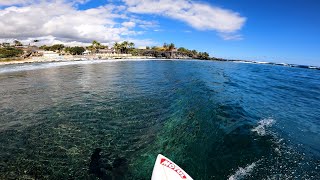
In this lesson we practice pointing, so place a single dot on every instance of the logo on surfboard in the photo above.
(172, 166)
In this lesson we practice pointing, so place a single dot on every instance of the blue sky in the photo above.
(265, 30)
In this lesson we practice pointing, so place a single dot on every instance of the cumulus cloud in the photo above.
(23, 2)
(60, 21)
(12, 2)
(198, 15)
(143, 42)
(129, 24)
(63, 22)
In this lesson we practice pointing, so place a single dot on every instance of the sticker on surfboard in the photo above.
(165, 169)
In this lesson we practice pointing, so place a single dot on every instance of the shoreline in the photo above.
(117, 58)
(64, 59)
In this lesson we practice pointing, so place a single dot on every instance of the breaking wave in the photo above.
(263, 124)
(46, 65)
(243, 172)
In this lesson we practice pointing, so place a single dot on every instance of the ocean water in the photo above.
(216, 120)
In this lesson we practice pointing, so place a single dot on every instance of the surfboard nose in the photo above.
(165, 169)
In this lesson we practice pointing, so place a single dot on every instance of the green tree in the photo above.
(10, 52)
(96, 44)
(131, 45)
(57, 47)
(124, 47)
(171, 46)
(165, 46)
(117, 47)
(203, 55)
(45, 47)
(17, 43)
(182, 49)
(194, 53)
(75, 50)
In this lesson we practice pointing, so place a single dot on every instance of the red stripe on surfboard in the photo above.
(172, 166)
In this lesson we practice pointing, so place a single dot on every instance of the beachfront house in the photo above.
(86, 52)
(29, 51)
(106, 51)
(43, 55)
(111, 53)
(49, 54)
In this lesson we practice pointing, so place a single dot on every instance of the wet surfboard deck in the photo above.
(165, 169)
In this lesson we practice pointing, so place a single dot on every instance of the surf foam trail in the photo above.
(241, 173)
(263, 124)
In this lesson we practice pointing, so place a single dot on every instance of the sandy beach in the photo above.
(67, 58)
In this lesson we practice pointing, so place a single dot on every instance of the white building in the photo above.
(49, 54)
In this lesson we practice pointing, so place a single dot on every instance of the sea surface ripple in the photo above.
(216, 120)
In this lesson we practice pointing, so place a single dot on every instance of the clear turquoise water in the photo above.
(217, 120)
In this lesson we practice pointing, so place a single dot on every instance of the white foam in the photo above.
(243, 172)
(261, 62)
(263, 124)
(313, 67)
(246, 62)
(45, 65)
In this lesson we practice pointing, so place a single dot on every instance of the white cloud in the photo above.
(24, 2)
(143, 42)
(198, 15)
(62, 22)
(46, 40)
(231, 36)
(147, 24)
(12, 2)
(129, 24)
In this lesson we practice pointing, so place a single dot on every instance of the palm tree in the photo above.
(117, 47)
(165, 46)
(125, 46)
(94, 47)
(194, 53)
(96, 43)
(131, 45)
(17, 43)
(104, 47)
(171, 46)
(90, 48)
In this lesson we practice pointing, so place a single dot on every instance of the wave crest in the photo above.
(263, 124)
(242, 172)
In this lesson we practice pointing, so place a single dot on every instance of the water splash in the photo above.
(243, 172)
(263, 124)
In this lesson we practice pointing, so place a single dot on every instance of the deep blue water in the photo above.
(217, 120)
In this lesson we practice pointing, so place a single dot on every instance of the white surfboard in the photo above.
(165, 169)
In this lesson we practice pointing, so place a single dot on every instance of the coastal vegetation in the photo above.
(75, 50)
(166, 51)
(56, 47)
(9, 52)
